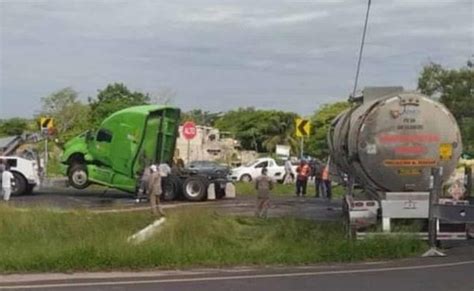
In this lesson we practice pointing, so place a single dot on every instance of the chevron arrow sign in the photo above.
(303, 127)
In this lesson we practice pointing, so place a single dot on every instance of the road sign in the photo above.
(46, 122)
(189, 130)
(303, 127)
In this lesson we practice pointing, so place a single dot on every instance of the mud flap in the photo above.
(229, 190)
(211, 192)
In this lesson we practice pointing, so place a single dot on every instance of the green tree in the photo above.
(70, 115)
(317, 145)
(13, 126)
(113, 98)
(455, 89)
(200, 117)
(259, 130)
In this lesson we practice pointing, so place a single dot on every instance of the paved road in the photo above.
(454, 272)
(99, 199)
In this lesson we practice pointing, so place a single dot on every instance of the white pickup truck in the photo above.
(252, 170)
(25, 173)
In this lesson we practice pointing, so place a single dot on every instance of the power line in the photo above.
(361, 49)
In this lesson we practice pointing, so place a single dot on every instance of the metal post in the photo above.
(189, 151)
(302, 147)
(435, 191)
(46, 157)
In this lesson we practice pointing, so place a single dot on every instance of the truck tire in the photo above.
(78, 176)
(171, 188)
(246, 178)
(20, 185)
(195, 188)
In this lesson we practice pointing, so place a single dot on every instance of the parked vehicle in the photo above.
(25, 173)
(208, 168)
(388, 143)
(252, 170)
(128, 141)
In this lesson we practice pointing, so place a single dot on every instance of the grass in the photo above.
(281, 190)
(40, 240)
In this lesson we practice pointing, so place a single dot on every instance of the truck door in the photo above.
(101, 146)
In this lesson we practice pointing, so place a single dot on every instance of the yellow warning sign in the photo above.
(46, 122)
(303, 127)
(410, 163)
(445, 151)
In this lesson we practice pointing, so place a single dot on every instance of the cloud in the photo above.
(248, 17)
(291, 55)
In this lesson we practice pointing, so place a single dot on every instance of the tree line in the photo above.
(259, 130)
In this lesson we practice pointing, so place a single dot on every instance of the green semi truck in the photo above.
(116, 154)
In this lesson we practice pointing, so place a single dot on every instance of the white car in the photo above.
(25, 173)
(252, 170)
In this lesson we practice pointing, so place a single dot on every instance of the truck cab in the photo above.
(126, 142)
(25, 174)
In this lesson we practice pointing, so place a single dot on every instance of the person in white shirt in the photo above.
(164, 170)
(7, 178)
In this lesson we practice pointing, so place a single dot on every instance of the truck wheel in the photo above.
(195, 188)
(246, 178)
(78, 177)
(19, 184)
(170, 188)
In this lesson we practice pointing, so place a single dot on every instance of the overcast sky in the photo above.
(219, 55)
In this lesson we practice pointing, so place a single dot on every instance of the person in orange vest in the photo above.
(303, 171)
(327, 181)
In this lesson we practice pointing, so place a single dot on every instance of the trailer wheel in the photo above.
(171, 188)
(19, 185)
(195, 188)
(78, 177)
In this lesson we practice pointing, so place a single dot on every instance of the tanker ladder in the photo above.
(361, 215)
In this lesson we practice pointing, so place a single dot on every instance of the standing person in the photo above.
(288, 172)
(154, 191)
(164, 169)
(7, 178)
(312, 168)
(143, 187)
(2, 166)
(302, 178)
(327, 181)
(318, 178)
(263, 184)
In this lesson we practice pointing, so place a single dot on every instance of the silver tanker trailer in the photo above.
(385, 146)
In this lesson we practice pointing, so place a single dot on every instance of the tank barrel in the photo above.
(391, 142)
